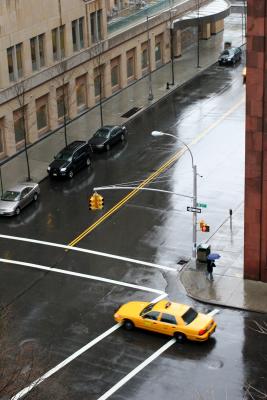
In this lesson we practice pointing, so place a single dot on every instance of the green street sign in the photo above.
(203, 205)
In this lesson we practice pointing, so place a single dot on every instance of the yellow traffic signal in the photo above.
(100, 202)
(96, 202)
(93, 202)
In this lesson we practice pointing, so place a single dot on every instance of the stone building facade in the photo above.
(58, 59)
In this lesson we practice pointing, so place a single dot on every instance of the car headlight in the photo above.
(63, 169)
(48, 168)
(229, 59)
(100, 146)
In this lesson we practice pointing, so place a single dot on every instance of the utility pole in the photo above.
(194, 170)
(198, 26)
(171, 44)
(150, 93)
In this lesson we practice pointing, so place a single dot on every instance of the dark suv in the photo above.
(69, 160)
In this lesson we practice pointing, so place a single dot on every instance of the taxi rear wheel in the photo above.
(180, 337)
(128, 325)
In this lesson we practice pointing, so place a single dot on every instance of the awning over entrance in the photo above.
(209, 12)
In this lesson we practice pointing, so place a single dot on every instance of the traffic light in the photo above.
(201, 224)
(205, 228)
(100, 202)
(96, 202)
(93, 202)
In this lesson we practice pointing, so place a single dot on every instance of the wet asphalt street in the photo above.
(59, 313)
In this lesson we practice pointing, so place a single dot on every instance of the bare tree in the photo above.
(19, 91)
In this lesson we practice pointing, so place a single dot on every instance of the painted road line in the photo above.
(151, 177)
(128, 196)
(82, 350)
(135, 371)
(97, 253)
(52, 371)
(213, 312)
(80, 275)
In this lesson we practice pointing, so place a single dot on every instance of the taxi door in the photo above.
(150, 321)
(167, 324)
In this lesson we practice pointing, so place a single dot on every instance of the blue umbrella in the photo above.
(213, 256)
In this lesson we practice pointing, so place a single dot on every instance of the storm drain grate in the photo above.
(182, 262)
(131, 112)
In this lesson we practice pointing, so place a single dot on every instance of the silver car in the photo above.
(18, 197)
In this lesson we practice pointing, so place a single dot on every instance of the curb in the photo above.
(213, 302)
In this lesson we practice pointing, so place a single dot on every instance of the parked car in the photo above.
(18, 197)
(106, 136)
(172, 319)
(71, 159)
(230, 56)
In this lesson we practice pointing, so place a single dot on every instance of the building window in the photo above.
(130, 64)
(2, 139)
(58, 43)
(95, 24)
(81, 92)
(99, 81)
(77, 34)
(20, 128)
(14, 60)
(115, 76)
(144, 57)
(158, 51)
(42, 114)
(62, 101)
(37, 52)
(115, 73)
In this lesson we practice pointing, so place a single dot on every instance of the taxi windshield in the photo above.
(147, 308)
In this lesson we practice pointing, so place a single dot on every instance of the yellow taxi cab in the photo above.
(244, 74)
(173, 319)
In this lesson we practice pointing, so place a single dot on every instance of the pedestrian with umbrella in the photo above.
(211, 264)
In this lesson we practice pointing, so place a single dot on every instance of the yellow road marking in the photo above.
(155, 174)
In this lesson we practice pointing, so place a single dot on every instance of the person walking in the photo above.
(210, 266)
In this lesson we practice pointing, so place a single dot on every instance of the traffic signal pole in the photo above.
(194, 249)
(194, 170)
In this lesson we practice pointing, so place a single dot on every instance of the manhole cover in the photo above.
(131, 112)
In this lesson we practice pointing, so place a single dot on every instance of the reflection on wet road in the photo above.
(69, 303)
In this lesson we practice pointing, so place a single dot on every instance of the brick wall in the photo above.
(255, 241)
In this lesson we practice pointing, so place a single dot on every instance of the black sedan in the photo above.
(230, 56)
(106, 136)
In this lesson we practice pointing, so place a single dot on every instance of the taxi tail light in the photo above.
(202, 332)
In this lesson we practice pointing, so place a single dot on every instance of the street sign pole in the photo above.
(194, 250)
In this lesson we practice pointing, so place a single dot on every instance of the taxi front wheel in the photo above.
(128, 325)
(180, 337)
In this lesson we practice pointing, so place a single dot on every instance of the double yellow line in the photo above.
(155, 174)
(128, 197)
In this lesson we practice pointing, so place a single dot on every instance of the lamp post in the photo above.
(194, 169)
(150, 93)
(198, 29)
(171, 43)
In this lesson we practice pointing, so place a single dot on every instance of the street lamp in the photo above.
(194, 169)
(150, 92)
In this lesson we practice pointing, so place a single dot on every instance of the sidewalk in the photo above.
(228, 288)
